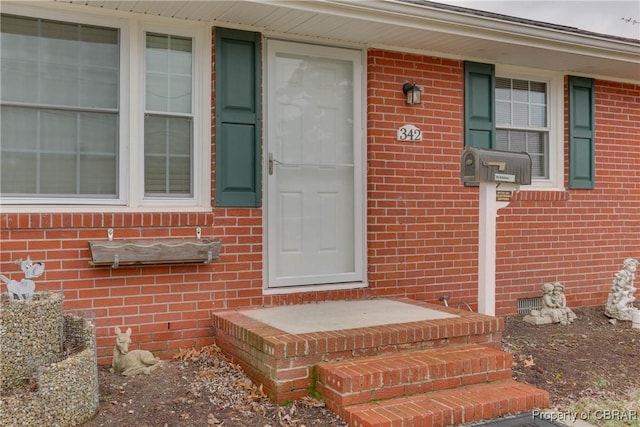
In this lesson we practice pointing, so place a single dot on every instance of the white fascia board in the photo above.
(430, 18)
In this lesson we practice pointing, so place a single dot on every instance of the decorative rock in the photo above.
(554, 307)
(620, 301)
(40, 388)
(30, 336)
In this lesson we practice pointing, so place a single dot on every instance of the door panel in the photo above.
(314, 232)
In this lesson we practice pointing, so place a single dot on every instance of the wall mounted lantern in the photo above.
(412, 92)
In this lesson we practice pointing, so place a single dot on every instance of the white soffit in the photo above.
(412, 26)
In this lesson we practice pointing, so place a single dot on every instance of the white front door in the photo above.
(314, 165)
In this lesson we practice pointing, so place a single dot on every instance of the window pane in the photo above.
(538, 166)
(44, 151)
(19, 173)
(19, 129)
(520, 115)
(521, 106)
(155, 177)
(180, 94)
(58, 84)
(48, 151)
(98, 133)
(99, 47)
(520, 91)
(538, 94)
(503, 113)
(58, 131)
(96, 175)
(179, 175)
(536, 143)
(538, 116)
(19, 65)
(58, 174)
(56, 63)
(168, 72)
(168, 154)
(503, 89)
(168, 139)
(517, 141)
(502, 139)
(97, 87)
(180, 136)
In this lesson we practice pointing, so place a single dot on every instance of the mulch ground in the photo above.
(589, 358)
(592, 357)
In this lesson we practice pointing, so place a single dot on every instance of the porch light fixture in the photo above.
(412, 92)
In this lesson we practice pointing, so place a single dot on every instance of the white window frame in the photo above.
(132, 29)
(555, 114)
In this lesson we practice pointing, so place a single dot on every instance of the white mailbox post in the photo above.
(499, 174)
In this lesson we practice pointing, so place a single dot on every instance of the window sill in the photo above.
(27, 209)
(541, 195)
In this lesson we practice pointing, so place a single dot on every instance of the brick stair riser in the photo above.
(358, 381)
(449, 407)
(337, 402)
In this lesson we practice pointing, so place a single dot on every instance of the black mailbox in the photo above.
(482, 165)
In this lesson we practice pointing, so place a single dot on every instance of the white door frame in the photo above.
(357, 57)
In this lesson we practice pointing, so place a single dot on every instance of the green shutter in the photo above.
(238, 118)
(479, 110)
(582, 165)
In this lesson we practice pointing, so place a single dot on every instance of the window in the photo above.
(59, 109)
(168, 117)
(86, 120)
(516, 109)
(521, 121)
(529, 118)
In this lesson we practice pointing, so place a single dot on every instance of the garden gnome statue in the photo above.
(25, 288)
(620, 302)
(554, 307)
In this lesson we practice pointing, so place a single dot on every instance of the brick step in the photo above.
(283, 362)
(449, 407)
(364, 379)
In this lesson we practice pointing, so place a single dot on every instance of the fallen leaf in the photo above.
(261, 391)
(312, 402)
(247, 385)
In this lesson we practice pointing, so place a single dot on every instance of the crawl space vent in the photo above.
(525, 305)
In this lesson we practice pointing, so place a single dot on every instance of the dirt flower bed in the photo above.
(199, 388)
(590, 358)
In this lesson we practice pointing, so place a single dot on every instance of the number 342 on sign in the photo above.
(409, 133)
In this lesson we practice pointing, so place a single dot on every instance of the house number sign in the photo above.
(409, 133)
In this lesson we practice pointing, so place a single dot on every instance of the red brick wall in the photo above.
(422, 231)
(582, 237)
(422, 227)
